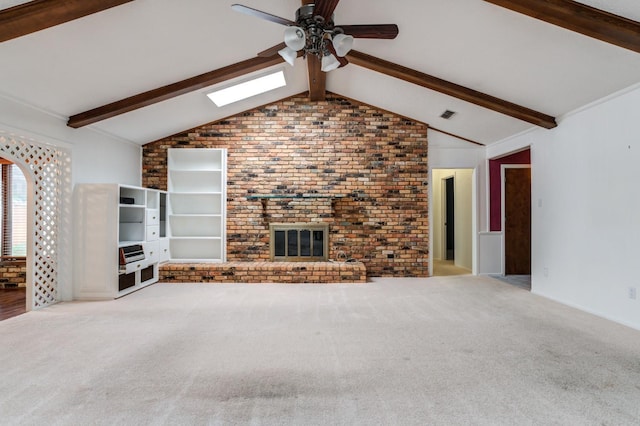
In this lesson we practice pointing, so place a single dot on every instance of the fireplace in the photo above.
(299, 242)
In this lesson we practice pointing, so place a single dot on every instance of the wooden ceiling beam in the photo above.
(451, 89)
(580, 18)
(38, 15)
(171, 91)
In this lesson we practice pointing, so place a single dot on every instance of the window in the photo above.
(299, 241)
(13, 241)
(248, 89)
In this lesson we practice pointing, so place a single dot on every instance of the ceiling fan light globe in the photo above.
(288, 55)
(295, 38)
(329, 63)
(342, 43)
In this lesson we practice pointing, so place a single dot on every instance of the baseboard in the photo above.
(8, 285)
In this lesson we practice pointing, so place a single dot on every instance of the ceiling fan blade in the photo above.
(385, 31)
(325, 8)
(272, 50)
(260, 14)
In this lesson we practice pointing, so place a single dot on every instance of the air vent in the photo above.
(447, 114)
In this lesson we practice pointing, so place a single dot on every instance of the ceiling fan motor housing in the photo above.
(315, 27)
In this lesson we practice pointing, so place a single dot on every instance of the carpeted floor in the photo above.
(437, 351)
(522, 281)
(447, 268)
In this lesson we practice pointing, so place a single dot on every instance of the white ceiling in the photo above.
(145, 44)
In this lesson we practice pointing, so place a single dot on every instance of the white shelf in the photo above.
(196, 249)
(130, 232)
(153, 200)
(195, 181)
(197, 204)
(131, 223)
(202, 203)
(137, 194)
(129, 243)
(195, 226)
(132, 214)
(190, 159)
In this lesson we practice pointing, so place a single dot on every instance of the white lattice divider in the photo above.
(50, 172)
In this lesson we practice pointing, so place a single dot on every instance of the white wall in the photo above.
(95, 157)
(586, 207)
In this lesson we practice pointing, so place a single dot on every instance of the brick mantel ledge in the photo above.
(264, 272)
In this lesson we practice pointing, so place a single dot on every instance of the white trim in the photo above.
(95, 129)
(585, 309)
(35, 138)
(474, 220)
(568, 114)
(32, 106)
(474, 223)
(63, 119)
(600, 101)
(31, 220)
(511, 138)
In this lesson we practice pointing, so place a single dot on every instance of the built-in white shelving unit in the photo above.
(112, 219)
(197, 204)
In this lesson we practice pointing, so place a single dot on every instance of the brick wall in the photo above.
(13, 272)
(378, 160)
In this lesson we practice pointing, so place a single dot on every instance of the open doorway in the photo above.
(13, 240)
(448, 188)
(452, 220)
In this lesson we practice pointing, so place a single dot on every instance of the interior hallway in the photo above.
(445, 350)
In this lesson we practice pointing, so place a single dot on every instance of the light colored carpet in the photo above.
(440, 351)
(522, 281)
(446, 268)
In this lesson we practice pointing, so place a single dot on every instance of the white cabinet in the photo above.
(197, 204)
(111, 220)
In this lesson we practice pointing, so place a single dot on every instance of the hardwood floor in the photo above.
(12, 302)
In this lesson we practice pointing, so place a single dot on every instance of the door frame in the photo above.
(474, 213)
(30, 221)
(503, 219)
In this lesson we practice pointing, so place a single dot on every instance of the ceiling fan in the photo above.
(315, 35)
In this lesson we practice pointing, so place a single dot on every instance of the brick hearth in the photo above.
(264, 272)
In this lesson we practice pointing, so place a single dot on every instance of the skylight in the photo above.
(248, 89)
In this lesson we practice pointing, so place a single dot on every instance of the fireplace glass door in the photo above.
(299, 241)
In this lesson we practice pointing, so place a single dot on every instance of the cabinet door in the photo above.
(164, 255)
(152, 252)
(153, 217)
(153, 233)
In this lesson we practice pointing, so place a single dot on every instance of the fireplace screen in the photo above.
(299, 241)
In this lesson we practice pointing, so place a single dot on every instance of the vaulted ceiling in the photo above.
(139, 69)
